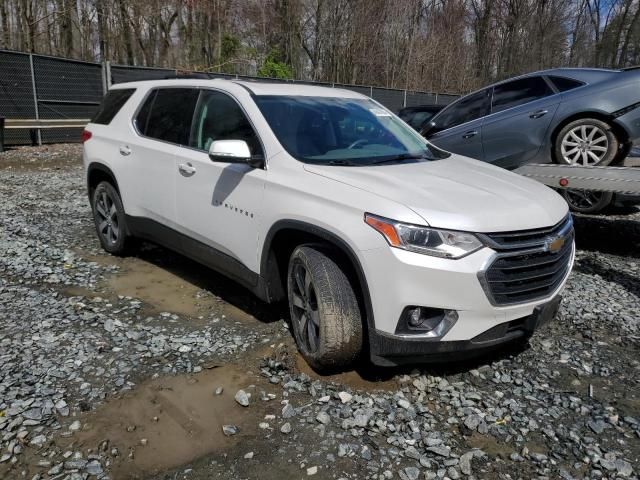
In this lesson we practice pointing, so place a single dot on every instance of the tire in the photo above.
(109, 219)
(325, 316)
(586, 142)
(585, 201)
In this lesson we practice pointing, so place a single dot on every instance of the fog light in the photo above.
(427, 322)
(415, 317)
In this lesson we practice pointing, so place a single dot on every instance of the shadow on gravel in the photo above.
(372, 373)
(591, 266)
(616, 235)
(217, 284)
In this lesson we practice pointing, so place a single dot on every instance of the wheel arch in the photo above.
(281, 240)
(619, 131)
(98, 172)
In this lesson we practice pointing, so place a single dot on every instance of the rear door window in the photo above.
(113, 101)
(519, 92)
(563, 83)
(167, 114)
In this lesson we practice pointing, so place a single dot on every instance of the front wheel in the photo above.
(325, 315)
(587, 201)
(586, 142)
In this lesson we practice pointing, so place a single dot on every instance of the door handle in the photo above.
(470, 133)
(187, 169)
(539, 113)
(125, 150)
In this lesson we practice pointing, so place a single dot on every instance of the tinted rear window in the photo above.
(111, 105)
(563, 84)
(519, 92)
(168, 116)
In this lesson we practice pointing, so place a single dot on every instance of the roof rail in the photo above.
(183, 76)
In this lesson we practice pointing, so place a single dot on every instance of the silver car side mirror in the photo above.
(230, 151)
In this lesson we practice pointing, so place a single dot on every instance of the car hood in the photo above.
(457, 193)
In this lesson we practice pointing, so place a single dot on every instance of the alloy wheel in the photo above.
(584, 145)
(304, 310)
(107, 213)
(582, 199)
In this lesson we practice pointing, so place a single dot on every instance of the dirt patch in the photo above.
(161, 289)
(367, 377)
(168, 282)
(171, 421)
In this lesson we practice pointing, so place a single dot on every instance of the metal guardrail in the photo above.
(19, 123)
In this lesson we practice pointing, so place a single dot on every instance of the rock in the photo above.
(465, 462)
(229, 430)
(75, 426)
(403, 403)
(56, 469)
(596, 426)
(75, 464)
(248, 456)
(94, 468)
(411, 452)
(323, 418)
(288, 411)
(286, 428)
(623, 467)
(38, 440)
(412, 473)
(109, 326)
(219, 391)
(345, 397)
(242, 398)
(443, 451)
(472, 421)
(312, 470)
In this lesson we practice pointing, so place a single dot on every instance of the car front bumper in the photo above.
(391, 350)
(397, 279)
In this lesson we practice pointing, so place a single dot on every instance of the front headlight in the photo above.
(427, 240)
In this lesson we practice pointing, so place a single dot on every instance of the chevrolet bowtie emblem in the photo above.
(554, 245)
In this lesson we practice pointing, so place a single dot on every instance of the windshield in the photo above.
(342, 131)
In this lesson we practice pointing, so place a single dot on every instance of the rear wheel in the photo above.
(586, 142)
(587, 201)
(325, 316)
(109, 219)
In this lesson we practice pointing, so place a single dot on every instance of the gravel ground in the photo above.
(155, 367)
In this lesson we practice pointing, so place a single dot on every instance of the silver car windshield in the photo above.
(342, 131)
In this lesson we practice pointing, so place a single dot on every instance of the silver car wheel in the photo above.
(584, 145)
(108, 218)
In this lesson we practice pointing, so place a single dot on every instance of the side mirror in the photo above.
(230, 151)
(234, 151)
(429, 127)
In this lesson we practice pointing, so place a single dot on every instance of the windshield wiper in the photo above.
(344, 163)
(402, 157)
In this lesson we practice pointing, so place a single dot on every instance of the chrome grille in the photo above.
(529, 264)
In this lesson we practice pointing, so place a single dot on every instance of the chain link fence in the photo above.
(41, 87)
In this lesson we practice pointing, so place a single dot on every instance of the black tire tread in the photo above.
(341, 322)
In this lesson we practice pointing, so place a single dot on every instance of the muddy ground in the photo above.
(145, 354)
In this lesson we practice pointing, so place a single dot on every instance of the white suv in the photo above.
(379, 240)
